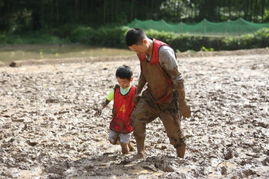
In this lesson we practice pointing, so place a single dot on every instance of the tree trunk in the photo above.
(36, 20)
(262, 9)
(104, 12)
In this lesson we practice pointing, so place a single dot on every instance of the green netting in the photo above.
(205, 27)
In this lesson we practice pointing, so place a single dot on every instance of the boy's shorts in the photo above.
(114, 136)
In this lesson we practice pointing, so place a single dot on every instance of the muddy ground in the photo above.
(48, 128)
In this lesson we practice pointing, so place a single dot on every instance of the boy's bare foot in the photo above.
(124, 148)
(131, 148)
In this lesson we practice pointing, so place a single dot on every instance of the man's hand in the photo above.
(136, 99)
(185, 110)
(183, 107)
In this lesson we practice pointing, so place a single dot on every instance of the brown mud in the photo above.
(48, 128)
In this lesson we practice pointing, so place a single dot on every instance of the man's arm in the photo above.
(139, 87)
(169, 64)
(141, 84)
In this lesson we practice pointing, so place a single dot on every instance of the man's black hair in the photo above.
(134, 36)
(124, 72)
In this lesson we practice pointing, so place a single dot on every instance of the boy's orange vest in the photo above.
(122, 108)
(159, 82)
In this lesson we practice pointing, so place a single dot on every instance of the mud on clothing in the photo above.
(160, 72)
(122, 108)
(115, 136)
(148, 110)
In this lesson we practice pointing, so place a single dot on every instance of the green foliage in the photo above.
(204, 27)
(173, 10)
(184, 42)
(64, 31)
(207, 49)
(260, 39)
(82, 35)
(104, 36)
(266, 15)
(31, 38)
(32, 15)
(110, 37)
(115, 37)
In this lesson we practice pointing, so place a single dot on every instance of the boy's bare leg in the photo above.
(115, 142)
(124, 148)
(131, 148)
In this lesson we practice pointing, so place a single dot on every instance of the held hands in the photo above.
(136, 99)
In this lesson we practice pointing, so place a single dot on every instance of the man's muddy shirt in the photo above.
(168, 62)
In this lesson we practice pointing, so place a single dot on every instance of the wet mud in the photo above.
(48, 128)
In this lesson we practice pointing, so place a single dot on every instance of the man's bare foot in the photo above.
(140, 155)
(181, 150)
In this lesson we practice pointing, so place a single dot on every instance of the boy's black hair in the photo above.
(124, 72)
(134, 36)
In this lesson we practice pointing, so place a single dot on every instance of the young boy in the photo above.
(123, 95)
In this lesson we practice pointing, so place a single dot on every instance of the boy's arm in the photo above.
(103, 105)
(109, 98)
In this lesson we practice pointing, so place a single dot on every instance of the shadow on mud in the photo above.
(111, 165)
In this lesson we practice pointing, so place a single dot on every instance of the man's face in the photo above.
(124, 83)
(140, 48)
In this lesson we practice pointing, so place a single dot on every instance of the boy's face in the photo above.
(124, 83)
(140, 48)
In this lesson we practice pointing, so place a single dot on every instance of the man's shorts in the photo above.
(115, 136)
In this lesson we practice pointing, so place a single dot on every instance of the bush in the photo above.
(31, 38)
(82, 35)
(262, 37)
(104, 36)
(115, 37)
(259, 39)
(110, 37)
(64, 31)
(185, 42)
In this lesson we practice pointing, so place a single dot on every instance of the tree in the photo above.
(34, 15)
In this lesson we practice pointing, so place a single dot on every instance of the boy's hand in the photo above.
(101, 107)
(98, 112)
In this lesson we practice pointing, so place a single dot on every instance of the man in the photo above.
(164, 96)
